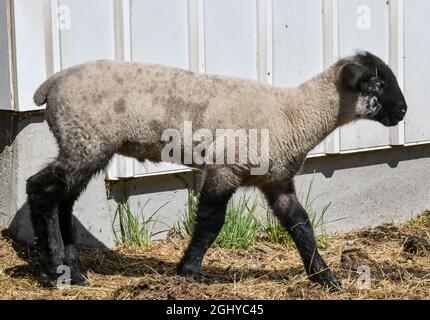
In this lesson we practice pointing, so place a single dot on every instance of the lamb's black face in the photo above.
(380, 97)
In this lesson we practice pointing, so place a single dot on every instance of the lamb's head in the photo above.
(373, 84)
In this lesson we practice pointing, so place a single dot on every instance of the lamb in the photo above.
(101, 108)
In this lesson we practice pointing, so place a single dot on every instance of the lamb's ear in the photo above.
(353, 75)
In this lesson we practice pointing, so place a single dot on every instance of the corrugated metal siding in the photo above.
(159, 32)
(298, 44)
(231, 37)
(282, 42)
(29, 50)
(371, 35)
(417, 70)
(91, 33)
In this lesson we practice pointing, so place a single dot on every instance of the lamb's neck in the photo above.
(312, 112)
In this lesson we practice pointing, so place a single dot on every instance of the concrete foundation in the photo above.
(364, 189)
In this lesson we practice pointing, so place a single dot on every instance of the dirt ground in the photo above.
(398, 257)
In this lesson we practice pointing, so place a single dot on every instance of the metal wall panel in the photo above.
(91, 32)
(231, 37)
(417, 70)
(288, 38)
(363, 25)
(297, 43)
(29, 51)
(159, 32)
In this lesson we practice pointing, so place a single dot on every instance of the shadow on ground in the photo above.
(108, 262)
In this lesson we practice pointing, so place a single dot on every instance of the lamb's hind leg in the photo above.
(44, 190)
(218, 187)
(71, 259)
(78, 177)
(283, 200)
(57, 186)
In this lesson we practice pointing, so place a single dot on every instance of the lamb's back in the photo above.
(136, 102)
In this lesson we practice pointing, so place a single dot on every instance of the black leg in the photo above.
(44, 189)
(214, 197)
(71, 258)
(51, 194)
(285, 205)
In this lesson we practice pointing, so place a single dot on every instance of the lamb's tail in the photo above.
(41, 95)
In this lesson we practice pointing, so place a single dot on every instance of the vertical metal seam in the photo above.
(12, 56)
(193, 34)
(269, 42)
(202, 36)
(396, 53)
(331, 53)
(48, 38)
(118, 29)
(261, 44)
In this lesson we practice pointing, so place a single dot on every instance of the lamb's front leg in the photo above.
(294, 218)
(217, 189)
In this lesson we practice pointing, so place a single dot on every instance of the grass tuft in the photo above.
(274, 232)
(240, 229)
(135, 229)
(241, 226)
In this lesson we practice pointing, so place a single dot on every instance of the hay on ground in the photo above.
(266, 271)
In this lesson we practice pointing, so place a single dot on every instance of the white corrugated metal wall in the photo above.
(282, 42)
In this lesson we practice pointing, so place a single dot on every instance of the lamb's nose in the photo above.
(400, 114)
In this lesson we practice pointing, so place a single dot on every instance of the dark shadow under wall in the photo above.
(12, 123)
(327, 165)
(19, 225)
(21, 231)
(122, 189)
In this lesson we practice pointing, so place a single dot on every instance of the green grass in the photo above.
(240, 230)
(134, 228)
(316, 217)
(276, 233)
(191, 211)
(186, 224)
(242, 227)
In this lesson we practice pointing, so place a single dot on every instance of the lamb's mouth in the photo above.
(386, 121)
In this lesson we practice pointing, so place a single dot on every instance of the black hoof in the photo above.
(80, 280)
(49, 274)
(48, 279)
(188, 271)
(327, 279)
(63, 279)
(78, 274)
